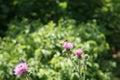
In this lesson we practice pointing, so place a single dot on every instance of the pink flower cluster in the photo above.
(20, 68)
(68, 46)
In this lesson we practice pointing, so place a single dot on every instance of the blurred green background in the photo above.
(31, 30)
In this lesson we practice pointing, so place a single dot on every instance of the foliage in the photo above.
(39, 45)
(105, 12)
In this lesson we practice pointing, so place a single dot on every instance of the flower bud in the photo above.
(67, 45)
(78, 52)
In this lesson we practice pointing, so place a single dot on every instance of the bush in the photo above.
(39, 45)
(105, 12)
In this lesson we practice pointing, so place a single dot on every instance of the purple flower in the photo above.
(67, 45)
(78, 52)
(20, 68)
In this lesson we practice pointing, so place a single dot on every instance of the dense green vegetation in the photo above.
(32, 31)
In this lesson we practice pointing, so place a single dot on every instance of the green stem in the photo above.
(72, 61)
(79, 70)
(27, 78)
(84, 70)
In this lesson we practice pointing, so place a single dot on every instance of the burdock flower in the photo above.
(78, 52)
(67, 45)
(20, 68)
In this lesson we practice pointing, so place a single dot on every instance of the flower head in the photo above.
(20, 68)
(78, 52)
(67, 45)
